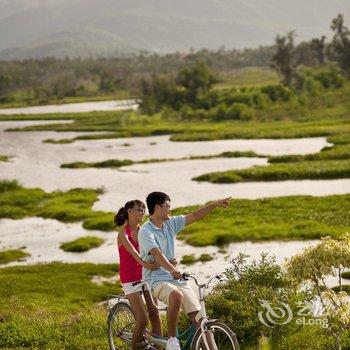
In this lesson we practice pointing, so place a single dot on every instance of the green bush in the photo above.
(239, 301)
(7, 256)
(236, 111)
(276, 92)
(330, 79)
(205, 257)
(82, 244)
(7, 185)
(188, 259)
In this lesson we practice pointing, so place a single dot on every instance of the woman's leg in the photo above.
(140, 314)
(153, 313)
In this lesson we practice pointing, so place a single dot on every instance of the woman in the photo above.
(127, 221)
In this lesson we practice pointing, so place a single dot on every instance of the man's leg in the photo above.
(192, 307)
(174, 306)
(170, 295)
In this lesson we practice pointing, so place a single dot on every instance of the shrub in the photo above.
(205, 258)
(82, 244)
(238, 301)
(277, 92)
(188, 259)
(237, 111)
(6, 185)
(330, 79)
(7, 256)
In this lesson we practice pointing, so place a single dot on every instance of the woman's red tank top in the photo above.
(129, 269)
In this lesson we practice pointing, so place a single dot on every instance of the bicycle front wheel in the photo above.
(220, 336)
(121, 322)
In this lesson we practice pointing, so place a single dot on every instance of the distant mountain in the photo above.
(37, 28)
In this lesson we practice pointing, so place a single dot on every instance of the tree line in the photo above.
(49, 77)
(153, 76)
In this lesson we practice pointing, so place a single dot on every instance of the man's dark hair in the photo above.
(156, 198)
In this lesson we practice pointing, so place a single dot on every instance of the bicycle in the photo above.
(121, 320)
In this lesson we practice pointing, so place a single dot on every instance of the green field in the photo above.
(54, 306)
(283, 218)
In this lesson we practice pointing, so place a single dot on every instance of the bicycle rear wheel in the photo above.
(223, 336)
(120, 324)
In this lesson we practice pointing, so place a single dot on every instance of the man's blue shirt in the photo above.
(150, 236)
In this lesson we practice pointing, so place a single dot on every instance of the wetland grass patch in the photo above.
(282, 218)
(82, 244)
(17, 202)
(296, 170)
(7, 256)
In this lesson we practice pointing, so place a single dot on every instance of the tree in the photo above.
(339, 49)
(284, 60)
(197, 79)
(319, 47)
(313, 265)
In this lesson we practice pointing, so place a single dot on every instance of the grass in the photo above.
(300, 170)
(129, 124)
(22, 100)
(191, 259)
(341, 151)
(330, 163)
(54, 306)
(188, 259)
(115, 163)
(61, 141)
(10, 255)
(17, 202)
(82, 244)
(4, 158)
(285, 218)
(282, 218)
(327, 115)
(111, 163)
(248, 77)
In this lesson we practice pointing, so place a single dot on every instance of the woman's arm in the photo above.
(128, 246)
(135, 254)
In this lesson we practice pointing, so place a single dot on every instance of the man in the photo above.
(156, 239)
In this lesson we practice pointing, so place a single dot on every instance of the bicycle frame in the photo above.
(190, 332)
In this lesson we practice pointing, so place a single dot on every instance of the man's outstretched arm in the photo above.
(201, 212)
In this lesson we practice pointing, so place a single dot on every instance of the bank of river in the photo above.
(117, 105)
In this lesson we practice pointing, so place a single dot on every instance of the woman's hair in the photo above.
(122, 214)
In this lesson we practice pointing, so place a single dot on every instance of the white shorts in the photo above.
(190, 302)
(134, 287)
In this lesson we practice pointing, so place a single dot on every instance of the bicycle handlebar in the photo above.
(219, 277)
